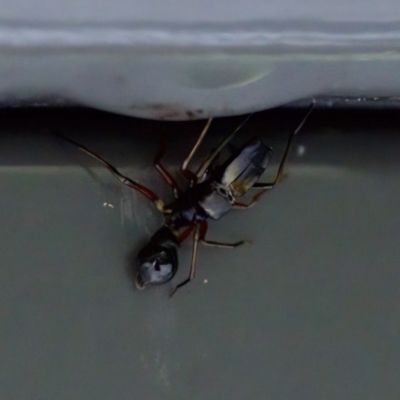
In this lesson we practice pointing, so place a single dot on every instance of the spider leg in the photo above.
(268, 186)
(203, 231)
(192, 272)
(163, 171)
(215, 153)
(184, 167)
(241, 206)
(122, 178)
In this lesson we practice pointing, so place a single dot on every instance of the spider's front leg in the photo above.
(163, 171)
(148, 193)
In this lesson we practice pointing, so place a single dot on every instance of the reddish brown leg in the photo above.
(193, 263)
(184, 168)
(123, 179)
(215, 153)
(186, 233)
(278, 177)
(260, 185)
(241, 206)
(203, 231)
(269, 186)
(164, 173)
(190, 176)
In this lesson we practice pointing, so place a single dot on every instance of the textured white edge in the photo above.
(78, 36)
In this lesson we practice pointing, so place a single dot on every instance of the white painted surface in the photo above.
(187, 60)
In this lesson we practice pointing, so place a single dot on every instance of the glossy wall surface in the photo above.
(308, 310)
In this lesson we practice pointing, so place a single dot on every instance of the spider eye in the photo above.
(157, 265)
